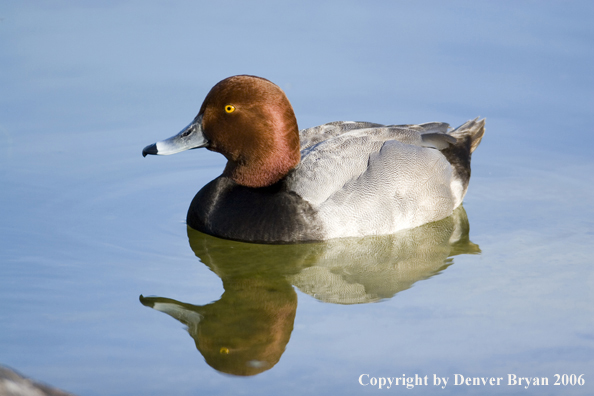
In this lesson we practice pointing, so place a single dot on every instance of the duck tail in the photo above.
(468, 137)
(470, 134)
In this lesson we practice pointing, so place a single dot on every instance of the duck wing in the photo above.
(375, 181)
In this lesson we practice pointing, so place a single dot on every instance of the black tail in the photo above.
(468, 137)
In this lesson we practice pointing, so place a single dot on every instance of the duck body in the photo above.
(349, 179)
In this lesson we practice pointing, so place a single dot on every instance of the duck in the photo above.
(343, 179)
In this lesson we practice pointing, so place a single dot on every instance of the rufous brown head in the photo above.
(251, 122)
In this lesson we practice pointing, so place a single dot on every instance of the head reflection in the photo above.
(243, 333)
(246, 331)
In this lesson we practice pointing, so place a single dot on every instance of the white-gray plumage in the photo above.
(369, 179)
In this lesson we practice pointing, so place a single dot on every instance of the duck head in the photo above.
(251, 122)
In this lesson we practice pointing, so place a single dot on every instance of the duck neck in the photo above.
(262, 172)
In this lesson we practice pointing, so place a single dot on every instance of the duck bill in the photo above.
(190, 137)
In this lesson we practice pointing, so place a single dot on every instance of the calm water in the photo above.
(504, 287)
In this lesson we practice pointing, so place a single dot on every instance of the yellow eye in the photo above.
(229, 109)
(224, 351)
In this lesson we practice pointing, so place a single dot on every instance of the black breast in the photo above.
(271, 214)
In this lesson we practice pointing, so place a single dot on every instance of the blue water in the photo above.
(88, 225)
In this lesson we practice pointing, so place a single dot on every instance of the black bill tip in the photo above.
(150, 149)
(146, 301)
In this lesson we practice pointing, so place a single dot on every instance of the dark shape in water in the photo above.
(14, 384)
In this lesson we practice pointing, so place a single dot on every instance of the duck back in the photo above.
(370, 179)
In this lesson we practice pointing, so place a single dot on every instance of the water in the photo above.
(88, 225)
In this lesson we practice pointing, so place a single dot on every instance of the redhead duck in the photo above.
(342, 179)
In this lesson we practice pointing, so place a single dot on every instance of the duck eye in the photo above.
(223, 350)
(229, 109)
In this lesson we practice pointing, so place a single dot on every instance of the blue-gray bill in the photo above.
(190, 137)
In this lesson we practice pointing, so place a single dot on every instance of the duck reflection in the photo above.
(246, 331)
